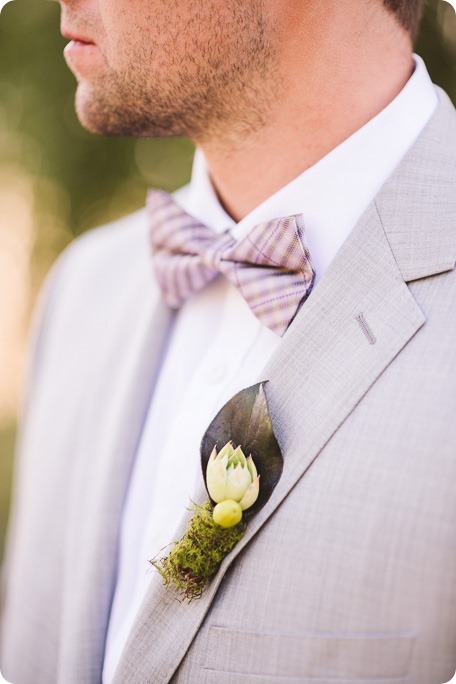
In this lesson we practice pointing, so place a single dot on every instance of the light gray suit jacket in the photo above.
(348, 574)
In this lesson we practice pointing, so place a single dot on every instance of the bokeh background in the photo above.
(57, 180)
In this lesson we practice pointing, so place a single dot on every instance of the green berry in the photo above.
(227, 513)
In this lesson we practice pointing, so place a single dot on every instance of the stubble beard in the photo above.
(218, 89)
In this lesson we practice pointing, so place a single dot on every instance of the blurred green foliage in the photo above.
(437, 44)
(77, 180)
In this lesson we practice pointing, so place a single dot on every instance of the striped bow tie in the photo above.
(271, 266)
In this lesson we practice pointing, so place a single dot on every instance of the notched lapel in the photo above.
(417, 205)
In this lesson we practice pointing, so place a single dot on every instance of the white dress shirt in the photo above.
(218, 347)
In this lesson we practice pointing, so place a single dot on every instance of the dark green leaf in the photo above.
(245, 421)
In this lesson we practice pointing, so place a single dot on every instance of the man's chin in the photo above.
(95, 115)
(109, 118)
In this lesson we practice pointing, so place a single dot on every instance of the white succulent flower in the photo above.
(230, 476)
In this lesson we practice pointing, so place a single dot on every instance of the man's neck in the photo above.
(330, 90)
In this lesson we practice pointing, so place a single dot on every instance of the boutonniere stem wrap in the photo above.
(238, 485)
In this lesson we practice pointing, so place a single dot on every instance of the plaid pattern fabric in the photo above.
(271, 266)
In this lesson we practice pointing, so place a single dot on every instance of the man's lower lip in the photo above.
(77, 45)
(77, 52)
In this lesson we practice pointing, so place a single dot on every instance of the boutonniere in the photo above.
(241, 464)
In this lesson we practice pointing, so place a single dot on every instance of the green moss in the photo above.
(195, 559)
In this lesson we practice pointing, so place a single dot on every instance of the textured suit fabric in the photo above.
(348, 574)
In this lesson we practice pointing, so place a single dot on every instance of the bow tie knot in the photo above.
(211, 254)
(271, 266)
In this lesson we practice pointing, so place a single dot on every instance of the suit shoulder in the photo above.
(123, 241)
(92, 279)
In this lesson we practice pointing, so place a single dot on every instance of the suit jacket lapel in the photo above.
(354, 324)
(417, 205)
(120, 395)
